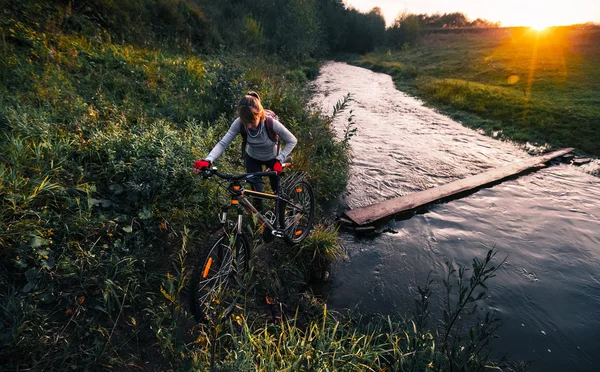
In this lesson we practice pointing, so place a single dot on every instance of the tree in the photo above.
(375, 25)
(298, 30)
(333, 14)
(364, 32)
(453, 20)
(405, 29)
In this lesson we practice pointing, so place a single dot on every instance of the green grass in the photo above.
(542, 87)
(97, 196)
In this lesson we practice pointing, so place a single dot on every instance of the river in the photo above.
(547, 224)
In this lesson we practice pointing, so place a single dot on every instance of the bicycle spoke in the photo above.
(299, 210)
(221, 265)
(216, 278)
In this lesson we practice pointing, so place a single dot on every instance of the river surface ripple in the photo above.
(547, 223)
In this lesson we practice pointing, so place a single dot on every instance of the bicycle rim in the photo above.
(215, 279)
(299, 214)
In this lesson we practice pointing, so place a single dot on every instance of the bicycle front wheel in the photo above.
(222, 264)
(299, 211)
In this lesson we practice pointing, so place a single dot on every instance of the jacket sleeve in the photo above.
(287, 137)
(220, 147)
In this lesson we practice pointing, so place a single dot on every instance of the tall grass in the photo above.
(96, 188)
(286, 333)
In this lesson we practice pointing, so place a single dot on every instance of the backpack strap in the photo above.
(244, 133)
(271, 132)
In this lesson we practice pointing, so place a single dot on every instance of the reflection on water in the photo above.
(547, 223)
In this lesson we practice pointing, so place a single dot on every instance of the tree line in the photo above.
(408, 26)
(314, 28)
(294, 29)
(303, 28)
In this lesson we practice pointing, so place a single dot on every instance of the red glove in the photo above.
(201, 165)
(277, 167)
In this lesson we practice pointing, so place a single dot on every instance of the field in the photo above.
(525, 85)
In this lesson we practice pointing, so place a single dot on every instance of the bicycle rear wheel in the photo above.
(222, 264)
(299, 212)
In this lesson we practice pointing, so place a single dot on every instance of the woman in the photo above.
(261, 148)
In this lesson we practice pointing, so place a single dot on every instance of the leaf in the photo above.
(270, 300)
(473, 334)
(48, 264)
(128, 229)
(167, 296)
(20, 264)
(31, 275)
(28, 287)
(46, 298)
(237, 318)
(37, 241)
(146, 213)
(116, 188)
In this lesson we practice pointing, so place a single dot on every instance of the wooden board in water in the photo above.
(388, 208)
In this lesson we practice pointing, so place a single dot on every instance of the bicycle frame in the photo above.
(240, 202)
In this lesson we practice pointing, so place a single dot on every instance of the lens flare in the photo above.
(539, 25)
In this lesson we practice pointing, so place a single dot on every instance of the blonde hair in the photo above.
(249, 108)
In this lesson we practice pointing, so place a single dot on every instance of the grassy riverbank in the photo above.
(541, 87)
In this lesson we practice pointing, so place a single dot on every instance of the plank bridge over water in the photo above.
(366, 216)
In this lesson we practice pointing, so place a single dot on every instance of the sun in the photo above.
(540, 25)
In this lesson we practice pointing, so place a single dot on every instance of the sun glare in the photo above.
(540, 25)
(539, 18)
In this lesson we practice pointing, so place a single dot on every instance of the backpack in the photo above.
(269, 117)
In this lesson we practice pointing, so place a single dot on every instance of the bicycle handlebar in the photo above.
(234, 177)
(207, 173)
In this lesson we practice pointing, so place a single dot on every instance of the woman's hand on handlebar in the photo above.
(201, 165)
(277, 167)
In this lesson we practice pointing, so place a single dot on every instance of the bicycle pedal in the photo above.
(270, 216)
(278, 233)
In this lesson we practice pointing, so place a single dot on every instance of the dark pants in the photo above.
(255, 165)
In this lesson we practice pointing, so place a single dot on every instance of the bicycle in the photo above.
(225, 257)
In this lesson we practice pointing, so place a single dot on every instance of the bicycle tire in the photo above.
(298, 222)
(216, 270)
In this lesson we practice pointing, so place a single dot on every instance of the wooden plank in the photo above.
(387, 208)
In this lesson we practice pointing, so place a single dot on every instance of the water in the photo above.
(547, 224)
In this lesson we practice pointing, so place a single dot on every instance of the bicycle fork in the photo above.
(223, 220)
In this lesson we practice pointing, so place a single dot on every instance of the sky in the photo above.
(537, 13)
